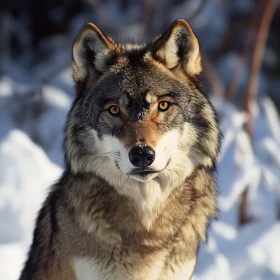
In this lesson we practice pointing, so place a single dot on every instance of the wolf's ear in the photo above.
(178, 49)
(91, 52)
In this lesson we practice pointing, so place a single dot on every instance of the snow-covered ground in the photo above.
(31, 129)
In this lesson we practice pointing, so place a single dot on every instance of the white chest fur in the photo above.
(89, 269)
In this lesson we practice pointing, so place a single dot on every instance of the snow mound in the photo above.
(25, 174)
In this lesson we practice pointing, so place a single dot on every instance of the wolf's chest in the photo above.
(156, 268)
(109, 269)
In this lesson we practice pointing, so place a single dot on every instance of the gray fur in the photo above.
(98, 222)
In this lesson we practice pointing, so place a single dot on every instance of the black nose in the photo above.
(142, 156)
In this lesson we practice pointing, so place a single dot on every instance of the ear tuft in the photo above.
(91, 50)
(178, 48)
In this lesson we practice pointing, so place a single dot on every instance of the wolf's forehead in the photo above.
(145, 84)
(146, 96)
(136, 105)
(136, 87)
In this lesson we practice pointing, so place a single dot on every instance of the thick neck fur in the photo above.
(96, 204)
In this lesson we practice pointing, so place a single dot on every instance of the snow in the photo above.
(31, 159)
(12, 256)
(25, 174)
(6, 86)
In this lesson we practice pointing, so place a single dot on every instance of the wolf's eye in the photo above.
(114, 110)
(163, 106)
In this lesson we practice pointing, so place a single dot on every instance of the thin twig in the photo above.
(253, 84)
(257, 57)
(147, 14)
(233, 86)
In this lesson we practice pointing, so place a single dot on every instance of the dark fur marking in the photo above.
(183, 44)
(111, 59)
(196, 81)
(110, 260)
(88, 49)
(53, 217)
(135, 56)
(77, 129)
(203, 125)
(34, 260)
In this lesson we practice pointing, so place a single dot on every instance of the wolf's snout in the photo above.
(142, 156)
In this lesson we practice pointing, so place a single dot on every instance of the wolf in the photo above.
(141, 143)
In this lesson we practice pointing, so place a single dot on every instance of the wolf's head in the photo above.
(139, 115)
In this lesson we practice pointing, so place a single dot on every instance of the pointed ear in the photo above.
(178, 49)
(92, 51)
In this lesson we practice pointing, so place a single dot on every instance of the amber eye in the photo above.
(114, 110)
(163, 105)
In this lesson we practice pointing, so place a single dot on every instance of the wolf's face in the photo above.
(139, 115)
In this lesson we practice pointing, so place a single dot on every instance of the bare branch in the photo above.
(253, 84)
(148, 9)
(255, 68)
(233, 86)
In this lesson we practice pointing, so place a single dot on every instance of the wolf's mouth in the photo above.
(143, 175)
(146, 172)
(141, 172)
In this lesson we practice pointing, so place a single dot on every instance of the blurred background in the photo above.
(240, 44)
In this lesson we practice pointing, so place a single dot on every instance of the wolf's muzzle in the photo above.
(142, 156)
